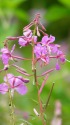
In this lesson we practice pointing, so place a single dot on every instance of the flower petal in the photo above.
(51, 39)
(23, 79)
(57, 66)
(10, 78)
(28, 33)
(22, 42)
(4, 50)
(3, 88)
(21, 89)
(44, 40)
(5, 58)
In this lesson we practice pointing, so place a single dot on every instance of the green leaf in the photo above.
(56, 12)
(10, 4)
(65, 2)
(45, 116)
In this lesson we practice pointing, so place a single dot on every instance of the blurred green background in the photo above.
(14, 15)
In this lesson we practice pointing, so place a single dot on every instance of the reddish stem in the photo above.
(43, 74)
(21, 58)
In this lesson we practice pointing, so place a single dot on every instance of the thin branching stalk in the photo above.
(39, 99)
(49, 96)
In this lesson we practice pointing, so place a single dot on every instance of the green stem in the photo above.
(11, 105)
(39, 99)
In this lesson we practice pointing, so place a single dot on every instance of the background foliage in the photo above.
(14, 15)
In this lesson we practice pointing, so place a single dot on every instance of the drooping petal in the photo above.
(21, 89)
(3, 88)
(57, 66)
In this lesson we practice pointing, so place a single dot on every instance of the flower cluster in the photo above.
(46, 49)
(42, 51)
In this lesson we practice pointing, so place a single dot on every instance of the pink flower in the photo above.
(28, 33)
(61, 56)
(41, 53)
(28, 37)
(47, 40)
(23, 42)
(6, 54)
(15, 83)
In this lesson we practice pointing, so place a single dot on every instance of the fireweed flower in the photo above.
(41, 53)
(60, 58)
(6, 55)
(48, 42)
(15, 83)
(28, 37)
(46, 48)
(43, 49)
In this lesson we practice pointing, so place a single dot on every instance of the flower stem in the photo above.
(11, 105)
(41, 110)
(39, 99)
